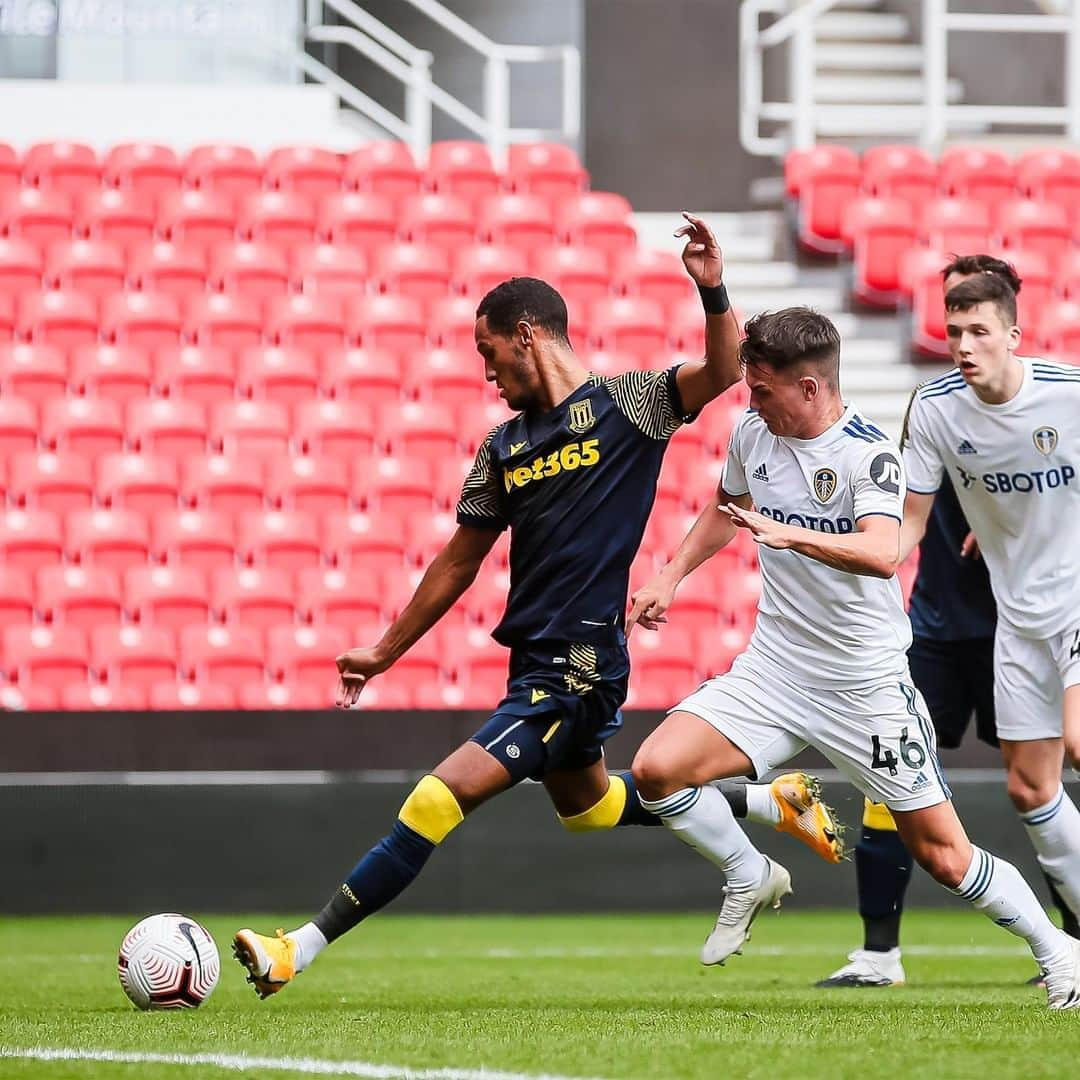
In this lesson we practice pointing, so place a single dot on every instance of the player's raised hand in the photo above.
(702, 257)
(763, 529)
(649, 604)
(355, 668)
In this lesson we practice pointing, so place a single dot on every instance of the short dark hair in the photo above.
(986, 288)
(525, 299)
(785, 338)
(969, 265)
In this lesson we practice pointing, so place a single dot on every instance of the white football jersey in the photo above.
(828, 627)
(1015, 470)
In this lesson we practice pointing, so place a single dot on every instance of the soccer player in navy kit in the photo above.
(573, 476)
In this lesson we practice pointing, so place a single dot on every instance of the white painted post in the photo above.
(418, 105)
(804, 132)
(497, 106)
(1072, 70)
(935, 74)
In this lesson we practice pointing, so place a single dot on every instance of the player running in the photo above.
(827, 664)
(574, 477)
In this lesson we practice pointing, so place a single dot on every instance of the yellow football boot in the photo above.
(270, 961)
(804, 815)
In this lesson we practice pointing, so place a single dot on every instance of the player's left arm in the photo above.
(700, 381)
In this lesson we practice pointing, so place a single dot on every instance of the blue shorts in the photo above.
(562, 701)
(957, 680)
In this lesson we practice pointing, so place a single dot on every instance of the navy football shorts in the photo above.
(562, 701)
(957, 680)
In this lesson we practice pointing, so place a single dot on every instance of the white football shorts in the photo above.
(1030, 677)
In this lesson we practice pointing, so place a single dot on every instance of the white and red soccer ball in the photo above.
(168, 962)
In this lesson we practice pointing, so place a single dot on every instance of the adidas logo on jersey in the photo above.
(966, 448)
(761, 473)
(921, 783)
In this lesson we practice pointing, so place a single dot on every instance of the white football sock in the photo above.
(996, 888)
(761, 806)
(309, 943)
(702, 818)
(1054, 831)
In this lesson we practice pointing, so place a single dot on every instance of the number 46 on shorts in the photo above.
(912, 753)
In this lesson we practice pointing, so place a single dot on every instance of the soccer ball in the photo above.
(168, 962)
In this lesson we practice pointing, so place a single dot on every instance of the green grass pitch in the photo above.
(588, 996)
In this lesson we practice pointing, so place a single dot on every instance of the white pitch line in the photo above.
(243, 1063)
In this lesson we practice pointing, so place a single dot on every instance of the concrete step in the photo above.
(760, 275)
(878, 378)
(751, 301)
(869, 352)
(883, 121)
(867, 56)
(868, 89)
(862, 26)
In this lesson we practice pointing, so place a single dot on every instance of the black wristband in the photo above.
(714, 299)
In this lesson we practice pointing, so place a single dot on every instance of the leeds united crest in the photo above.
(824, 484)
(581, 416)
(1045, 439)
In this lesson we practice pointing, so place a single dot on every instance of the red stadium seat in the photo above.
(1059, 330)
(123, 218)
(284, 219)
(132, 655)
(579, 273)
(979, 173)
(478, 268)
(35, 698)
(225, 319)
(370, 542)
(201, 373)
(882, 231)
(422, 429)
(169, 596)
(229, 483)
(143, 482)
(115, 539)
(175, 696)
(477, 420)
(39, 217)
(7, 317)
(308, 170)
(357, 219)
(394, 485)
(439, 220)
(306, 654)
(86, 697)
(18, 425)
(524, 222)
(150, 320)
(62, 318)
(826, 189)
(655, 275)
(257, 270)
(280, 539)
(198, 538)
(21, 266)
(598, 219)
(421, 271)
(485, 599)
(90, 426)
(30, 539)
(799, 164)
(284, 695)
(62, 166)
(83, 596)
(452, 326)
(428, 532)
(452, 376)
(463, 168)
(95, 267)
(308, 321)
(371, 376)
(330, 270)
(250, 427)
(317, 485)
(197, 219)
(172, 427)
(50, 656)
(1039, 284)
(120, 373)
(900, 172)
(631, 325)
(1041, 227)
(46, 481)
(255, 596)
(172, 269)
(34, 372)
(230, 171)
(955, 224)
(334, 597)
(395, 323)
(9, 168)
(278, 373)
(386, 168)
(229, 655)
(145, 168)
(16, 598)
(1051, 174)
(549, 170)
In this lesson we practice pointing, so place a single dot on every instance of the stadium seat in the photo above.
(337, 597)
(476, 421)
(134, 655)
(43, 480)
(1039, 284)
(307, 321)
(196, 219)
(372, 376)
(485, 599)
(429, 531)
(630, 324)
(21, 266)
(1041, 227)
(334, 428)
(316, 485)
(32, 697)
(357, 219)
(478, 268)
(176, 696)
(279, 539)
(18, 425)
(1059, 330)
(283, 219)
(437, 219)
(452, 376)
(800, 164)
(579, 273)
(7, 317)
(452, 322)
(308, 170)
(600, 220)
(1051, 174)
(827, 185)
(16, 598)
(171, 427)
(882, 230)
(257, 270)
(61, 166)
(370, 542)
(169, 596)
(654, 275)
(278, 373)
(49, 656)
(228, 483)
(147, 169)
(255, 596)
(426, 429)
(9, 169)
(59, 317)
(30, 539)
(205, 374)
(225, 319)
(115, 539)
(34, 372)
(550, 170)
(89, 426)
(199, 538)
(94, 267)
(330, 270)
(980, 173)
(227, 655)
(145, 482)
(463, 168)
(229, 171)
(123, 218)
(39, 217)
(396, 485)
(284, 695)
(83, 596)
(87, 697)
(150, 320)
(523, 222)
(955, 224)
(395, 323)
(120, 373)
(419, 271)
(306, 654)
(258, 428)
(385, 168)
(899, 172)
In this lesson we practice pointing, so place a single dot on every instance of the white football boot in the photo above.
(1063, 980)
(739, 910)
(865, 968)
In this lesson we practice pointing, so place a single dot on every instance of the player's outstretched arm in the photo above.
(702, 380)
(712, 531)
(451, 572)
(917, 508)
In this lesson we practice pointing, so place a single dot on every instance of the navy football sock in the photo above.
(378, 877)
(882, 872)
(633, 812)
